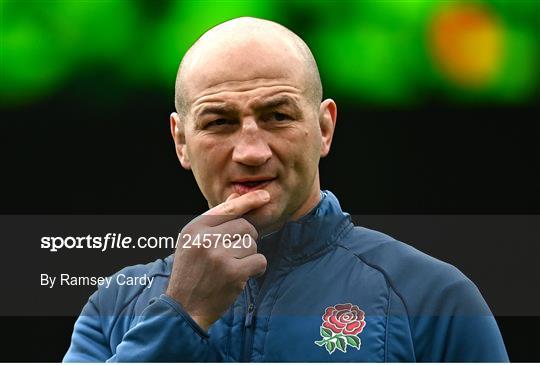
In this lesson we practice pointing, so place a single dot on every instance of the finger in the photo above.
(237, 207)
(251, 266)
(234, 239)
(239, 225)
(237, 246)
(237, 238)
(232, 196)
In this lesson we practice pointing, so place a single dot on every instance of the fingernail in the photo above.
(263, 194)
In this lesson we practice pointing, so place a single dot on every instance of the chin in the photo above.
(264, 219)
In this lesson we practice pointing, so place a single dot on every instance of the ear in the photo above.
(327, 123)
(179, 137)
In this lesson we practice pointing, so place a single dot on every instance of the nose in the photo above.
(251, 147)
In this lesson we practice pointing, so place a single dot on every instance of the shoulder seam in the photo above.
(385, 275)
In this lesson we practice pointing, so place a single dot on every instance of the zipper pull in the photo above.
(249, 315)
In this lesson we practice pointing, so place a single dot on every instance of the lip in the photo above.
(241, 188)
(253, 178)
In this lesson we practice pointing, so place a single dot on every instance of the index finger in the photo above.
(234, 208)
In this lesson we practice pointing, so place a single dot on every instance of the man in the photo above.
(279, 272)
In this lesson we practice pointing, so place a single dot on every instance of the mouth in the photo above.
(244, 186)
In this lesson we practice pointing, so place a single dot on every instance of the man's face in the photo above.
(251, 125)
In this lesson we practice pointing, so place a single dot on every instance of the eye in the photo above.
(280, 117)
(220, 122)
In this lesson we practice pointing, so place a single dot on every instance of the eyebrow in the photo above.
(269, 103)
(274, 102)
(216, 109)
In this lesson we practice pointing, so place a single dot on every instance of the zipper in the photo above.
(249, 315)
(252, 306)
(248, 324)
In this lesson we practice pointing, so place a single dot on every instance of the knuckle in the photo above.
(262, 261)
(191, 229)
(259, 265)
(251, 248)
(227, 208)
(252, 243)
(253, 233)
(220, 267)
(238, 225)
(248, 228)
(186, 230)
(214, 256)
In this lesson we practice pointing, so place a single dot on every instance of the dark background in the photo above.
(96, 143)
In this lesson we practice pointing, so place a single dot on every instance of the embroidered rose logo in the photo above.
(340, 328)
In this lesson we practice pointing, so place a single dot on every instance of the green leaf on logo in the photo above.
(330, 347)
(320, 343)
(354, 341)
(325, 332)
(341, 344)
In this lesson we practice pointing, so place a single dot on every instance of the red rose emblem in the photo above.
(341, 325)
(344, 318)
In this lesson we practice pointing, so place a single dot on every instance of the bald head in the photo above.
(246, 49)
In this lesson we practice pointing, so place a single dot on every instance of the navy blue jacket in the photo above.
(331, 292)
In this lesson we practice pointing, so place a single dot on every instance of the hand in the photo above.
(207, 281)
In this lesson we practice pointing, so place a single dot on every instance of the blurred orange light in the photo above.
(466, 43)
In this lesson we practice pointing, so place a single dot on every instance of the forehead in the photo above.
(242, 65)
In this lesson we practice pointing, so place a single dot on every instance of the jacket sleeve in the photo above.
(163, 332)
(460, 329)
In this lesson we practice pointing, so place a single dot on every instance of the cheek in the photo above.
(299, 155)
(307, 150)
(205, 153)
(208, 159)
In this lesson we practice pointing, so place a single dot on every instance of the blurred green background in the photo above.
(377, 52)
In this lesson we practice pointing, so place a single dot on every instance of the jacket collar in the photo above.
(313, 233)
